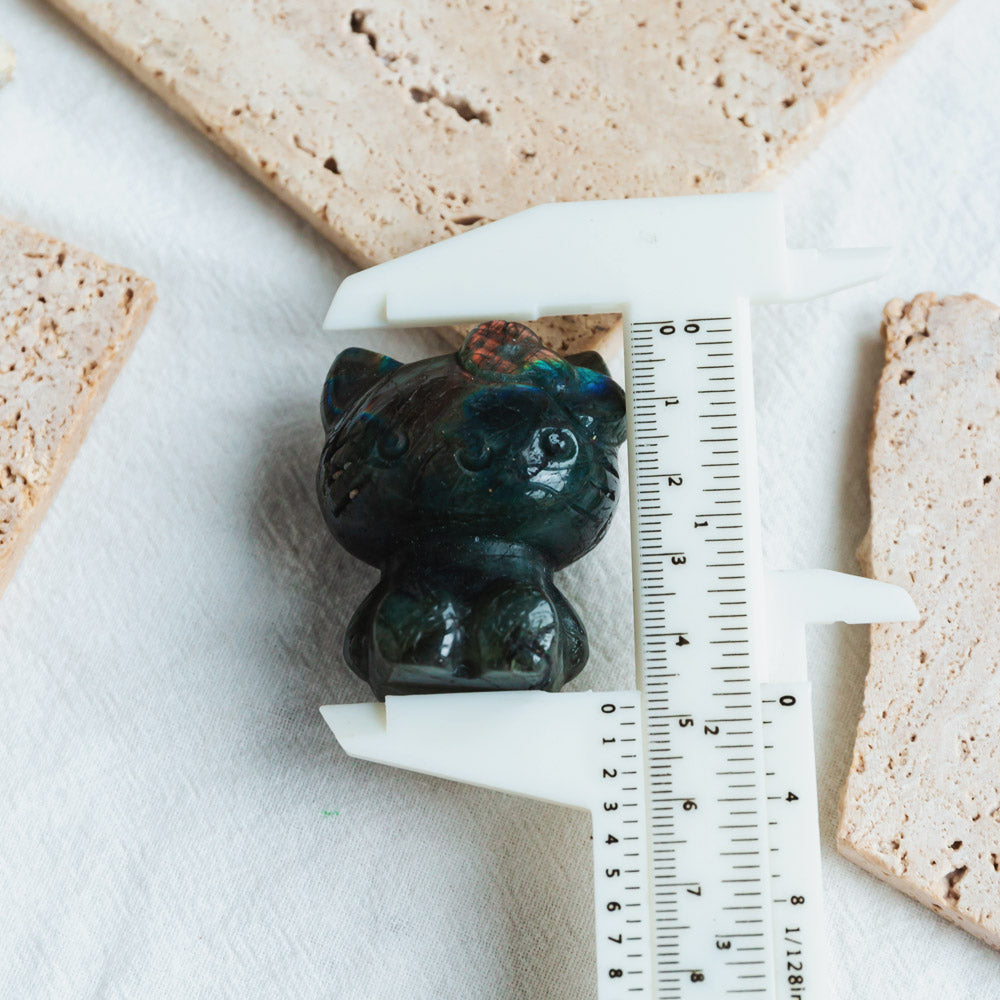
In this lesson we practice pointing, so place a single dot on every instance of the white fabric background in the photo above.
(175, 819)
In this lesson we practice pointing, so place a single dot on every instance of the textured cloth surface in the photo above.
(178, 822)
(7, 62)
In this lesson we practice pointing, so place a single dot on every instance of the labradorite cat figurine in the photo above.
(468, 479)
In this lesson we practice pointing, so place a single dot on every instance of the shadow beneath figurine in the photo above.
(313, 584)
(836, 726)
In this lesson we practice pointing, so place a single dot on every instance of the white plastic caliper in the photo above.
(701, 782)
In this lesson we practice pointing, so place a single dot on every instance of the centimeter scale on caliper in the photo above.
(701, 782)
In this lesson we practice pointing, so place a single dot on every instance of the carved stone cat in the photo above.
(468, 479)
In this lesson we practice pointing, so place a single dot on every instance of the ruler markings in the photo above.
(672, 552)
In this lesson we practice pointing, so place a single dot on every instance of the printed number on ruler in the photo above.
(620, 848)
(793, 838)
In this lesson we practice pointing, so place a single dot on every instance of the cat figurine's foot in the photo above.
(405, 640)
(517, 633)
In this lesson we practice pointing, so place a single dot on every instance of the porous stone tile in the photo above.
(393, 125)
(921, 807)
(68, 321)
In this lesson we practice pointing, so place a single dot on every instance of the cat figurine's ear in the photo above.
(589, 359)
(599, 401)
(351, 375)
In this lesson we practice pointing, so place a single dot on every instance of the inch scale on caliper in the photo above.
(701, 782)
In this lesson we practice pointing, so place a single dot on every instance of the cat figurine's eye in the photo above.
(558, 443)
(392, 443)
(475, 454)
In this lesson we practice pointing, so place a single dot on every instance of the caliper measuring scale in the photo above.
(701, 782)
